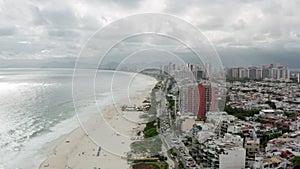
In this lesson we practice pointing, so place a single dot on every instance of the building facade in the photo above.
(197, 99)
(258, 73)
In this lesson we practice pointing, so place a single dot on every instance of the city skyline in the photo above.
(275, 72)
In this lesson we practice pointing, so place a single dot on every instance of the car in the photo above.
(187, 158)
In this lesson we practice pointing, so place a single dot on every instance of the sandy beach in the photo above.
(104, 140)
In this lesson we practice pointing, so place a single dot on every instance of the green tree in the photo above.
(296, 162)
(288, 114)
(150, 133)
(271, 104)
(240, 113)
(180, 164)
(265, 138)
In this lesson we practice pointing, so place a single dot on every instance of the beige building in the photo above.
(252, 147)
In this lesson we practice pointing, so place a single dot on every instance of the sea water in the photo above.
(36, 107)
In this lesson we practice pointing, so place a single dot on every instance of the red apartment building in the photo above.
(198, 99)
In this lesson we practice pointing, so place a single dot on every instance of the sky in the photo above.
(39, 33)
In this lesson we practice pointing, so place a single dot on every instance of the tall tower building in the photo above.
(258, 74)
(189, 99)
(288, 74)
(202, 101)
(243, 73)
(206, 99)
(207, 70)
(252, 73)
(235, 72)
(274, 73)
(265, 72)
(192, 101)
(197, 99)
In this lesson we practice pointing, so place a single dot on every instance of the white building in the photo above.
(224, 153)
(233, 158)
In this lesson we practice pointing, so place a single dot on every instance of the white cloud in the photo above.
(55, 25)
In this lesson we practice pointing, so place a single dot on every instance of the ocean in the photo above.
(36, 107)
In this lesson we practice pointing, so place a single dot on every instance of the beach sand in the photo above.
(111, 130)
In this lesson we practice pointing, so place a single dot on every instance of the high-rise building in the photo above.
(228, 73)
(258, 74)
(189, 99)
(274, 73)
(197, 99)
(243, 73)
(298, 77)
(207, 70)
(192, 99)
(199, 75)
(206, 99)
(202, 101)
(235, 73)
(252, 72)
(265, 72)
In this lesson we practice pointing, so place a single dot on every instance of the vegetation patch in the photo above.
(151, 165)
(150, 145)
(240, 113)
(265, 138)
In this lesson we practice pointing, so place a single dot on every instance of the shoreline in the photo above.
(80, 150)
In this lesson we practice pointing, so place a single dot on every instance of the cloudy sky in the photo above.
(244, 32)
